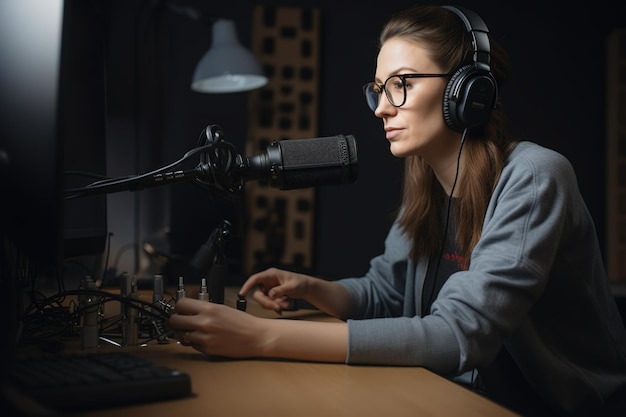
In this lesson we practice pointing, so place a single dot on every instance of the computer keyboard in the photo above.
(83, 381)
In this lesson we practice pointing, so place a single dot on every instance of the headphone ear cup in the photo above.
(450, 103)
(469, 97)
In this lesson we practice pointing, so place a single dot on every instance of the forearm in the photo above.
(216, 329)
(328, 296)
(304, 340)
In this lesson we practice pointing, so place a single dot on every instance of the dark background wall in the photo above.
(556, 98)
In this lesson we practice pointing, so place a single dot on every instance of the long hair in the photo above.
(484, 152)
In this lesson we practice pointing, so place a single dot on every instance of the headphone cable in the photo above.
(445, 230)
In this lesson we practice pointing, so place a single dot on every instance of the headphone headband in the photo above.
(479, 31)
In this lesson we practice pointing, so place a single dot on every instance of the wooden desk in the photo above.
(233, 388)
(280, 388)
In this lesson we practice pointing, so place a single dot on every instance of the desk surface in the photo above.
(277, 388)
(283, 388)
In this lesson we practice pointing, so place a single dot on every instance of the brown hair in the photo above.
(484, 152)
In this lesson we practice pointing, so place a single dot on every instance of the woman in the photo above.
(491, 274)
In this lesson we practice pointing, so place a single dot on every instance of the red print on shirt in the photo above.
(461, 261)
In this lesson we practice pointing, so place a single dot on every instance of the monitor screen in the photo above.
(52, 137)
(82, 121)
(52, 119)
(30, 48)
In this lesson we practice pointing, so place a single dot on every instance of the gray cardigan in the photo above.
(536, 285)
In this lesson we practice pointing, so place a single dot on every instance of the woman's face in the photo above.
(417, 127)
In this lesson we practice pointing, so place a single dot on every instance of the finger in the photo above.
(188, 306)
(183, 337)
(284, 301)
(270, 277)
(253, 281)
(264, 301)
(181, 322)
(275, 293)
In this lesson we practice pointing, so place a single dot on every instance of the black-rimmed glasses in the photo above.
(394, 88)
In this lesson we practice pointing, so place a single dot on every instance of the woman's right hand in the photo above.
(275, 288)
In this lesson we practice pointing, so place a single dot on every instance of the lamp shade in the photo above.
(227, 67)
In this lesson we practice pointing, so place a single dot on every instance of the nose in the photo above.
(384, 107)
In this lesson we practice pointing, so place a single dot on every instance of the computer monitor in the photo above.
(52, 122)
(52, 126)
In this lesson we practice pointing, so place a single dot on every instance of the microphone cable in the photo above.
(219, 161)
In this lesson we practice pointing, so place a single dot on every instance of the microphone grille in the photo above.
(319, 161)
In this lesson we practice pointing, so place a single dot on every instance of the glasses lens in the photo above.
(372, 95)
(395, 89)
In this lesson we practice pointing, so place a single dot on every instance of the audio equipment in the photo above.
(472, 90)
(286, 164)
(302, 163)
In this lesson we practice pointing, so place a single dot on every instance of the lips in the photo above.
(392, 132)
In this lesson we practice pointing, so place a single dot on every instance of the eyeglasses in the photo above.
(394, 88)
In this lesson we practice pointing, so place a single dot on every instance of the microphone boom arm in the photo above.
(162, 176)
(287, 164)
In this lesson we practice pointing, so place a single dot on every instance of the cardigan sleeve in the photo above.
(476, 308)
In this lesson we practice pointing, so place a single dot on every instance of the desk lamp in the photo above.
(227, 67)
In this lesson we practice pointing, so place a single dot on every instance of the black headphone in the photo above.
(472, 90)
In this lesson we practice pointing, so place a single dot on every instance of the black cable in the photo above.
(445, 230)
(48, 317)
(126, 183)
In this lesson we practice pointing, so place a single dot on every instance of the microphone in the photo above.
(288, 164)
(302, 163)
